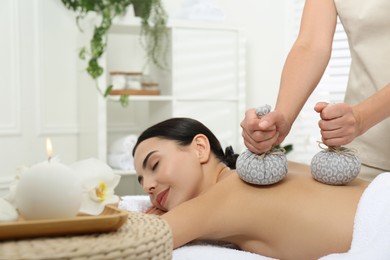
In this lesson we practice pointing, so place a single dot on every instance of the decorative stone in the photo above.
(265, 169)
(335, 166)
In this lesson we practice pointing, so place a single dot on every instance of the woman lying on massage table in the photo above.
(193, 185)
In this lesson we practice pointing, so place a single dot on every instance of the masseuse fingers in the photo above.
(335, 111)
(334, 135)
(259, 147)
(320, 106)
(253, 135)
(337, 141)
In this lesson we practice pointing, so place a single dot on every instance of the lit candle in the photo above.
(48, 190)
(49, 149)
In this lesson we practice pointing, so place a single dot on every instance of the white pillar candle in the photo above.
(48, 190)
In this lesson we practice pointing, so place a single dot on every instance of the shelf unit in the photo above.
(205, 80)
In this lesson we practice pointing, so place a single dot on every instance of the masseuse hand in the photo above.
(261, 134)
(339, 123)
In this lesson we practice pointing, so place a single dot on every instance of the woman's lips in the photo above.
(162, 197)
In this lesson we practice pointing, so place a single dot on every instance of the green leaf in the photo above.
(108, 91)
(83, 53)
(287, 148)
(154, 33)
(124, 100)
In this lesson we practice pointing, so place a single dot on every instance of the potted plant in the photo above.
(154, 33)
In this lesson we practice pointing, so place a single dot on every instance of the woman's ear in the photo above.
(202, 145)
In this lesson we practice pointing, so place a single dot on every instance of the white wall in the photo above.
(38, 83)
(42, 82)
(267, 30)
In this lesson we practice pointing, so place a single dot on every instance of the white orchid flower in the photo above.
(10, 197)
(98, 183)
(8, 212)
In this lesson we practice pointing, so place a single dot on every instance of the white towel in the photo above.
(120, 153)
(120, 161)
(137, 203)
(213, 252)
(371, 234)
(123, 145)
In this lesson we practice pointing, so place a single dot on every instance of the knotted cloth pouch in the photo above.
(335, 166)
(264, 169)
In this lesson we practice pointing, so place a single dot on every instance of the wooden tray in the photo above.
(110, 220)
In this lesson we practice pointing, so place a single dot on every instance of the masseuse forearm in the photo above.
(308, 58)
(374, 109)
(302, 72)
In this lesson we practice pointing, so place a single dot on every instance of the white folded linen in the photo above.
(371, 234)
(120, 153)
(120, 161)
(206, 251)
(137, 203)
(123, 145)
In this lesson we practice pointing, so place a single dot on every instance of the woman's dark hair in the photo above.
(183, 130)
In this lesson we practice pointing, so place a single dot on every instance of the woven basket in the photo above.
(141, 237)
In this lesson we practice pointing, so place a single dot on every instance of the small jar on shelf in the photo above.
(118, 80)
(133, 80)
(126, 80)
(149, 84)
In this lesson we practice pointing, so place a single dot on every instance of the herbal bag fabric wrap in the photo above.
(335, 166)
(265, 169)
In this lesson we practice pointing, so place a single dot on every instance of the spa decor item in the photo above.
(52, 190)
(110, 219)
(335, 165)
(98, 183)
(135, 236)
(264, 169)
(154, 33)
(48, 190)
(8, 212)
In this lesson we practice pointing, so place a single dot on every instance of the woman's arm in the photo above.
(191, 220)
(213, 215)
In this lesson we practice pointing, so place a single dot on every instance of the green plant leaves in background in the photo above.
(154, 33)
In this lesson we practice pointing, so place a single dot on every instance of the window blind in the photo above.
(305, 133)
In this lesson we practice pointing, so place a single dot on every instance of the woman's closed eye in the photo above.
(154, 166)
(140, 179)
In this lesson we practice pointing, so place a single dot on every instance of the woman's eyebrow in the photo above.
(147, 158)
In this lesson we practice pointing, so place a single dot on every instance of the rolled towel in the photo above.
(121, 161)
(123, 145)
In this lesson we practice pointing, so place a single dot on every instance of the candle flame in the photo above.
(49, 148)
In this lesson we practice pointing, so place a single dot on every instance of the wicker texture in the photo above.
(141, 237)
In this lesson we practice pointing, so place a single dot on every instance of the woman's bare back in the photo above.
(297, 218)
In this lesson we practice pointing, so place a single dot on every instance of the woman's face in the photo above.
(169, 173)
